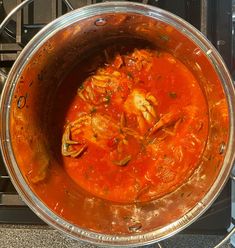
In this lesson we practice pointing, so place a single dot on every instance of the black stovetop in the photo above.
(212, 17)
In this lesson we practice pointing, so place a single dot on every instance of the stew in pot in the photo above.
(136, 128)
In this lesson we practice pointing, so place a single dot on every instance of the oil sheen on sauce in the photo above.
(136, 127)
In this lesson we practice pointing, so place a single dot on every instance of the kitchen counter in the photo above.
(17, 236)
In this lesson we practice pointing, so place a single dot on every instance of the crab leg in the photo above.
(166, 120)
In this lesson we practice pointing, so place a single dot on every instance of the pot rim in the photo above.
(5, 143)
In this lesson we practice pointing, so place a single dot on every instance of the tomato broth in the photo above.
(136, 126)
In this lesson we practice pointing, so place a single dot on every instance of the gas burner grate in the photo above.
(33, 16)
(8, 194)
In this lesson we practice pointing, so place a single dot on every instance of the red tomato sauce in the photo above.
(136, 127)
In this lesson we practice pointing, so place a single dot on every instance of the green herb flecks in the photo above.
(107, 99)
(93, 110)
(124, 161)
(164, 37)
(172, 95)
(129, 74)
(81, 87)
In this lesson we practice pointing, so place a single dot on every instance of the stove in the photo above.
(212, 17)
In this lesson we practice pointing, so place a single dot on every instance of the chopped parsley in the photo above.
(81, 87)
(172, 95)
(164, 37)
(129, 74)
(93, 110)
(95, 135)
(107, 99)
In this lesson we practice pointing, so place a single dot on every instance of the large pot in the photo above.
(27, 113)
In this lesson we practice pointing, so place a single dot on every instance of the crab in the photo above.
(104, 79)
(140, 59)
(67, 144)
(102, 131)
(143, 105)
(120, 155)
(166, 120)
(93, 128)
(67, 148)
(98, 85)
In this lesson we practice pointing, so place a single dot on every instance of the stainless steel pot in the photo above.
(27, 109)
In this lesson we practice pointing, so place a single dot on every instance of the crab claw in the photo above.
(166, 120)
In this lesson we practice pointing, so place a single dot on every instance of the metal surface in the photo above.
(3, 75)
(13, 12)
(226, 238)
(219, 28)
(53, 9)
(68, 4)
(204, 9)
(230, 233)
(9, 47)
(11, 200)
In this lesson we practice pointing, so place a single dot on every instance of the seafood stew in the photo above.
(136, 128)
(171, 125)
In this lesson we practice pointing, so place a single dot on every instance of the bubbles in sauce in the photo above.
(100, 22)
